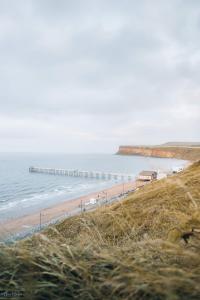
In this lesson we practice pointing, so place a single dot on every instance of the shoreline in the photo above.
(27, 223)
(23, 226)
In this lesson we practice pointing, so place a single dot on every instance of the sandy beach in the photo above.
(12, 227)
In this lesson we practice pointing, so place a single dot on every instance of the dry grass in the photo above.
(130, 250)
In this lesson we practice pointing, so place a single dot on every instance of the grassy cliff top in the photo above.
(129, 250)
(182, 144)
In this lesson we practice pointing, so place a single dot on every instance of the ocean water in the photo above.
(22, 192)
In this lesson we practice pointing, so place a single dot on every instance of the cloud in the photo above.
(99, 71)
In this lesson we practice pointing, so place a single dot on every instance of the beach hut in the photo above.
(93, 201)
(147, 175)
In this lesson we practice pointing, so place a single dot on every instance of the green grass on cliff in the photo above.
(129, 250)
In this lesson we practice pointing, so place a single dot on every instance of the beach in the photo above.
(66, 208)
(29, 202)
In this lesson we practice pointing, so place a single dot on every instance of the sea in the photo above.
(22, 193)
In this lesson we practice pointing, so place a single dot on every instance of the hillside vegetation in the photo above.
(129, 250)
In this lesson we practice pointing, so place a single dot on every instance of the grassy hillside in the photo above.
(130, 250)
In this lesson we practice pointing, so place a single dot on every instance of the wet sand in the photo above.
(18, 225)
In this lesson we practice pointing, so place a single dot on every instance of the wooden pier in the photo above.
(85, 174)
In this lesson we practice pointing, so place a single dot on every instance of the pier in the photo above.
(85, 174)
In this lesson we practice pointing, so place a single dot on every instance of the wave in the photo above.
(33, 199)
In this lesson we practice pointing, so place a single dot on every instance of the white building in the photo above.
(147, 175)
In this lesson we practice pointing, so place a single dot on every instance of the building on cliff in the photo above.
(147, 175)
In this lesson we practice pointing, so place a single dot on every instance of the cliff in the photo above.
(187, 153)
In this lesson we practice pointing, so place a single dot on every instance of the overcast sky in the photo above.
(88, 76)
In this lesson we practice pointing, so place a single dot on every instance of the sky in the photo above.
(88, 76)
